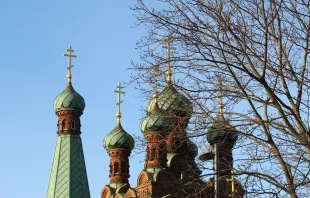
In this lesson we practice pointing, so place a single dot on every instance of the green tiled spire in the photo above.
(68, 177)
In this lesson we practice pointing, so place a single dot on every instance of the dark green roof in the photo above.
(221, 130)
(69, 99)
(156, 122)
(170, 100)
(118, 139)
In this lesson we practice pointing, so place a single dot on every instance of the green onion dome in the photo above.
(69, 99)
(172, 101)
(155, 121)
(118, 139)
(221, 130)
(192, 148)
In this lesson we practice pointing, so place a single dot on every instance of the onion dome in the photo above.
(192, 148)
(69, 99)
(155, 121)
(221, 130)
(172, 101)
(118, 139)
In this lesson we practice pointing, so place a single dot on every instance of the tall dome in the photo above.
(118, 138)
(69, 99)
(170, 100)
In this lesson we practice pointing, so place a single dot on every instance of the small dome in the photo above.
(69, 99)
(207, 154)
(192, 148)
(171, 100)
(222, 130)
(118, 139)
(155, 122)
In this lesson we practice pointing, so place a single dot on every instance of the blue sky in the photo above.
(33, 37)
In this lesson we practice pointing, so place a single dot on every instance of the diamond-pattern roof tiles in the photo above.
(68, 177)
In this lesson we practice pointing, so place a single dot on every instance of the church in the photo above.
(170, 168)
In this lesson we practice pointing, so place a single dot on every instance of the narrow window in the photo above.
(72, 124)
(63, 125)
(116, 168)
(153, 152)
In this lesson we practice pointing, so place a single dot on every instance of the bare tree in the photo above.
(261, 48)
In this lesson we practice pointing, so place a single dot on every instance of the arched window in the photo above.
(153, 154)
(63, 125)
(72, 124)
(116, 170)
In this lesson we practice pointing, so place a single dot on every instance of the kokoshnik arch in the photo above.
(169, 170)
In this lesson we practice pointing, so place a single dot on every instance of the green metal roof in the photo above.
(172, 101)
(118, 138)
(156, 122)
(69, 99)
(68, 178)
(221, 130)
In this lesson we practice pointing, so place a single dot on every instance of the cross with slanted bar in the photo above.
(70, 55)
(156, 74)
(119, 102)
(221, 105)
(169, 48)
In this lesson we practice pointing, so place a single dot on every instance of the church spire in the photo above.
(68, 178)
(169, 71)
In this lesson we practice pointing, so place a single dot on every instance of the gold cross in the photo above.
(221, 105)
(169, 48)
(156, 74)
(232, 180)
(119, 101)
(70, 55)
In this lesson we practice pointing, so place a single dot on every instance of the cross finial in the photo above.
(70, 55)
(155, 75)
(232, 180)
(221, 105)
(119, 101)
(169, 48)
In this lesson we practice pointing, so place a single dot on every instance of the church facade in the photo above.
(170, 168)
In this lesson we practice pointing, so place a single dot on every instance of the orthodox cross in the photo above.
(169, 48)
(70, 55)
(221, 105)
(156, 74)
(119, 101)
(232, 180)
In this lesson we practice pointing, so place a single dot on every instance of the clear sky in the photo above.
(33, 38)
